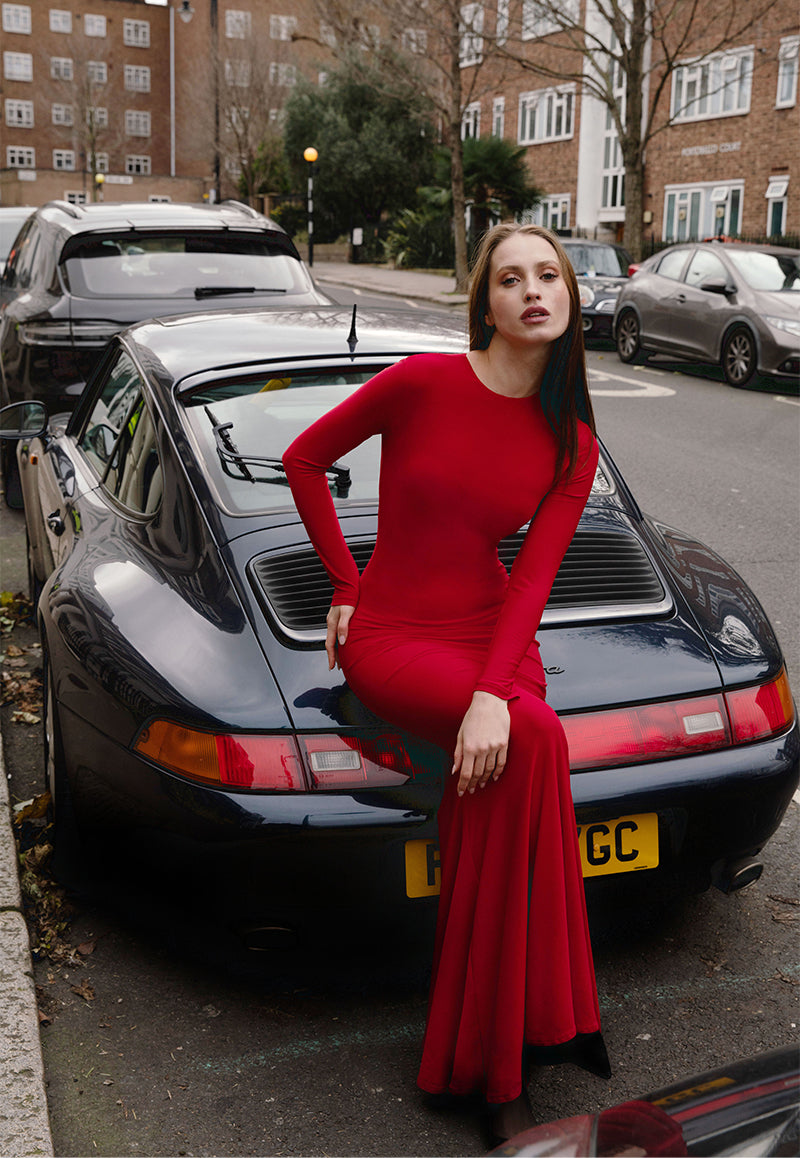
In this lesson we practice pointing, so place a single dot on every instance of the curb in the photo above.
(24, 1120)
(354, 281)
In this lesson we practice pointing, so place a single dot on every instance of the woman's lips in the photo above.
(535, 314)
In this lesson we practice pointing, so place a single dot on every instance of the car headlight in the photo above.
(790, 325)
(586, 294)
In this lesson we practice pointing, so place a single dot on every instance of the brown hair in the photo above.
(564, 391)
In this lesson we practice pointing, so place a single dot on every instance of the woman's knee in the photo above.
(533, 720)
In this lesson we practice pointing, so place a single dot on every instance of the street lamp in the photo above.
(310, 154)
(186, 12)
(99, 181)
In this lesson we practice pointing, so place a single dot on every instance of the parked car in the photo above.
(733, 305)
(12, 218)
(191, 721)
(602, 270)
(745, 1108)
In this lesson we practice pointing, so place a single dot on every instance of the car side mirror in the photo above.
(717, 285)
(23, 420)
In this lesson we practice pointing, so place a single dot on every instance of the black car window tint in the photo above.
(14, 254)
(112, 407)
(134, 477)
(26, 262)
(672, 263)
(704, 265)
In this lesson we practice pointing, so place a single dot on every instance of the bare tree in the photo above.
(625, 53)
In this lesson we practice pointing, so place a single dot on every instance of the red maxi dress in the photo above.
(437, 618)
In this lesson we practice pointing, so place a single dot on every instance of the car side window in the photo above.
(24, 258)
(704, 265)
(134, 475)
(111, 409)
(672, 263)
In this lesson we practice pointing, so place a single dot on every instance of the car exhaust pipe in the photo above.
(267, 938)
(737, 874)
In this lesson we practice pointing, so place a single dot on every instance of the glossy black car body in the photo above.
(745, 1108)
(187, 602)
(602, 270)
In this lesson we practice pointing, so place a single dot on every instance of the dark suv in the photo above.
(77, 274)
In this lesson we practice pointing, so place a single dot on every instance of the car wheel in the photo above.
(629, 345)
(739, 357)
(66, 842)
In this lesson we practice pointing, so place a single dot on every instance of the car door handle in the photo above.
(56, 523)
(680, 298)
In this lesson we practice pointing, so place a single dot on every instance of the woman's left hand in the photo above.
(482, 744)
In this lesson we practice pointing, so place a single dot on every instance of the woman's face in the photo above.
(529, 302)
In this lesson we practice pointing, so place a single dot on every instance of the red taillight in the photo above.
(760, 711)
(356, 761)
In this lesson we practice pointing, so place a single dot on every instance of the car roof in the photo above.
(155, 215)
(193, 344)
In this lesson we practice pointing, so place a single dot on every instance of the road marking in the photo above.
(641, 389)
(791, 401)
(796, 797)
(412, 302)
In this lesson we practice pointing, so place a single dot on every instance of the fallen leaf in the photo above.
(14, 651)
(84, 990)
(783, 900)
(21, 717)
(15, 663)
(86, 948)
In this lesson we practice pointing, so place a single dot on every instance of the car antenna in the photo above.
(352, 337)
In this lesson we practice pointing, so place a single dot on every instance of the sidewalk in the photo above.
(416, 284)
(24, 1122)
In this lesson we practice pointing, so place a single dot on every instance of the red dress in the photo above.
(437, 618)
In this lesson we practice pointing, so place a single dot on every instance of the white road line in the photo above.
(791, 401)
(642, 389)
(796, 797)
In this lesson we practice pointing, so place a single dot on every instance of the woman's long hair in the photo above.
(564, 391)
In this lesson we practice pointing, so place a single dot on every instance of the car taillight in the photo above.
(280, 763)
(640, 733)
(48, 333)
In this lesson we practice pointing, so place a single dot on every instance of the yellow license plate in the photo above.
(623, 845)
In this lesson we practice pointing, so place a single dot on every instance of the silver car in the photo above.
(734, 305)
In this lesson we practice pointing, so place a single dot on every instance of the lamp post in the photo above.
(310, 154)
(186, 13)
(99, 181)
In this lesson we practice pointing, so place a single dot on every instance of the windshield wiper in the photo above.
(215, 291)
(237, 465)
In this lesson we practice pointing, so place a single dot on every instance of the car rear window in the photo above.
(180, 265)
(767, 271)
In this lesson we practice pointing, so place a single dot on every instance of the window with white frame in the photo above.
(498, 116)
(546, 115)
(97, 71)
(160, 198)
(61, 114)
(18, 65)
(543, 17)
(787, 72)
(327, 34)
(552, 212)
(101, 162)
(471, 35)
(414, 41)
(97, 117)
(501, 23)
(238, 24)
(60, 20)
(20, 157)
(136, 33)
(613, 192)
(717, 86)
(61, 68)
(75, 197)
(138, 165)
(137, 123)
(776, 205)
(94, 25)
(137, 78)
(237, 73)
(705, 209)
(17, 18)
(471, 121)
(282, 74)
(19, 114)
(64, 159)
(282, 27)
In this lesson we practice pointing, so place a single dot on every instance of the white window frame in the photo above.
(553, 212)
(539, 114)
(776, 195)
(19, 114)
(159, 198)
(17, 18)
(788, 53)
(719, 85)
(64, 160)
(100, 116)
(97, 71)
(61, 68)
(60, 20)
(101, 162)
(502, 21)
(137, 123)
(414, 41)
(499, 116)
(471, 121)
(327, 34)
(237, 73)
(76, 197)
(136, 33)
(470, 50)
(62, 114)
(612, 196)
(698, 203)
(20, 157)
(537, 19)
(238, 24)
(138, 165)
(94, 25)
(137, 78)
(282, 74)
(18, 66)
(282, 27)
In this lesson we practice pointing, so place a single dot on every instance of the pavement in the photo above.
(413, 284)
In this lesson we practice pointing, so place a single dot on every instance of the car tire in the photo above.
(739, 356)
(66, 840)
(629, 346)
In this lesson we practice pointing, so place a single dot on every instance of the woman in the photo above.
(435, 638)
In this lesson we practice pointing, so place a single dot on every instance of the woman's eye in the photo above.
(550, 275)
(510, 280)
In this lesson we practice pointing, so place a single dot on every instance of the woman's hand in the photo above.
(482, 744)
(338, 621)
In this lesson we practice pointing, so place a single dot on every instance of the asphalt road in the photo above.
(161, 1040)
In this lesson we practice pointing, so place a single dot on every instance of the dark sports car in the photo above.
(191, 721)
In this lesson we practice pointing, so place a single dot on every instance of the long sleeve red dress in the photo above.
(436, 618)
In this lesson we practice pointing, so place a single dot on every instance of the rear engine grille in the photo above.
(604, 575)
